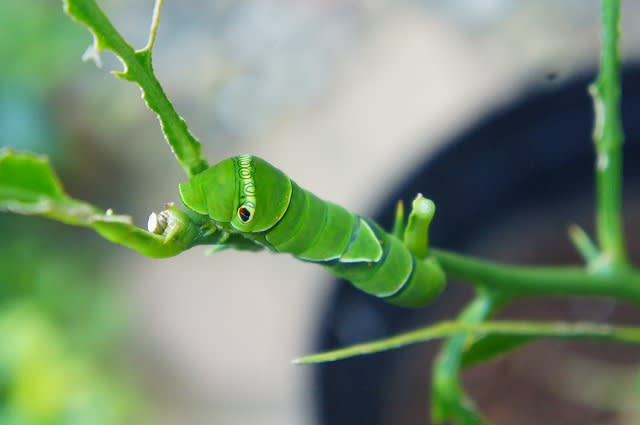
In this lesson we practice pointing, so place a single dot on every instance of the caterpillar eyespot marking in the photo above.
(244, 214)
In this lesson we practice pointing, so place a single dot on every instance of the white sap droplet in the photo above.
(603, 161)
(109, 212)
(92, 54)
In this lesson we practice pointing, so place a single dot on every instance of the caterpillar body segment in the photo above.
(248, 196)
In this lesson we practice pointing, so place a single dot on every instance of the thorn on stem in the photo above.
(583, 243)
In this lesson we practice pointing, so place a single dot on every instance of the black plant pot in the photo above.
(506, 190)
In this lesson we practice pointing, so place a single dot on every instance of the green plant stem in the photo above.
(608, 139)
(138, 68)
(538, 281)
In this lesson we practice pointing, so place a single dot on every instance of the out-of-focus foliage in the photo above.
(59, 327)
(37, 45)
(60, 320)
(43, 380)
(29, 186)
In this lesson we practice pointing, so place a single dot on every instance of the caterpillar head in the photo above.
(243, 193)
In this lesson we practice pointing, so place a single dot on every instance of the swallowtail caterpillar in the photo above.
(244, 202)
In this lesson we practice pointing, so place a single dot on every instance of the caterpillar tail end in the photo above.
(416, 233)
(426, 284)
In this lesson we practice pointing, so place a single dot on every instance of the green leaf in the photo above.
(29, 186)
(30, 176)
(492, 346)
(449, 402)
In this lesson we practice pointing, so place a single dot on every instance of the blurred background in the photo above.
(347, 97)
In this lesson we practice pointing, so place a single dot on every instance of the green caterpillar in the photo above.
(246, 196)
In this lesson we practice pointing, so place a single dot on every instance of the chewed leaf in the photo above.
(28, 185)
(137, 68)
(27, 176)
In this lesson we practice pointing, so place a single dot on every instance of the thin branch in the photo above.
(559, 330)
(155, 23)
